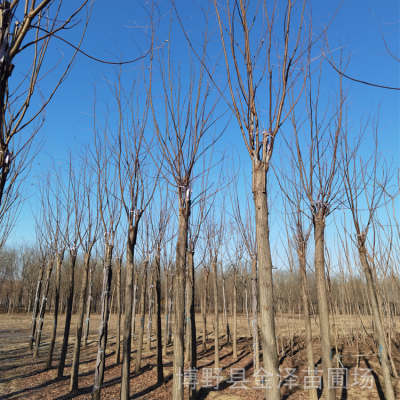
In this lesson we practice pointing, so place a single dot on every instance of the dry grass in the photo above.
(25, 378)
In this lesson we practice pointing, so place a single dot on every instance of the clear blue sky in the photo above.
(112, 27)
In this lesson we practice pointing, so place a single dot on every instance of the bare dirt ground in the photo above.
(21, 377)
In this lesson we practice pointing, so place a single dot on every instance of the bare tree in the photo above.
(367, 179)
(109, 207)
(87, 213)
(188, 119)
(27, 29)
(243, 83)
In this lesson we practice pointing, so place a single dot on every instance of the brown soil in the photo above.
(21, 377)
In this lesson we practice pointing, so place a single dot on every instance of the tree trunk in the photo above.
(323, 308)
(142, 315)
(118, 338)
(149, 320)
(88, 308)
(79, 325)
(126, 346)
(60, 257)
(270, 354)
(204, 339)
(256, 345)
(103, 328)
(307, 323)
(134, 308)
(179, 300)
(35, 307)
(191, 344)
(383, 353)
(216, 316)
(43, 308)
(225, 310)
(70, 299)
(169, 340)
(166, 308)
(160, 371)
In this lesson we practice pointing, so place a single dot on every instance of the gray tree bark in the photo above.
(256, 345)
(166, 309)
(307, 323)
(383, 352)
(79, 325)
(160, 371)
(323, 307)
(179, 300)
(142, 315)
(103, 328)
(216, 315)
(70, 299)
(35, 311)
(134, 308)
(43, 308)
(118, 338)
(88, 308)
(126, 351)
(60, 257)
(234, 352)
(270, 354)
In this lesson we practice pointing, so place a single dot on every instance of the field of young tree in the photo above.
(223, 223)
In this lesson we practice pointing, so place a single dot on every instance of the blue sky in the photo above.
(113, 27)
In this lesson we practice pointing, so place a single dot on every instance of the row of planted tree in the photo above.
(157, 193)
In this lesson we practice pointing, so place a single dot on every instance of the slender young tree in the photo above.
(188, 119)
(245, 225)
(71, 239)
(54, 217)
(244, 81)
(35, 311)
(87, 213)
(109, 207)
(365, 183)
(319, 184)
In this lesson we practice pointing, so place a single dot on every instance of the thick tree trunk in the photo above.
(160, 371)
(118, 338)
(142, 315)
(216, 316)
(383, 352)
(307, 323)
(323, 307)
(60, 257)
(43, 308)
(70, 299)
(88, 308)
(179, 301)
(103, 328)
(126, 347)
(79, 325)
(35, 307)
(270, 354)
